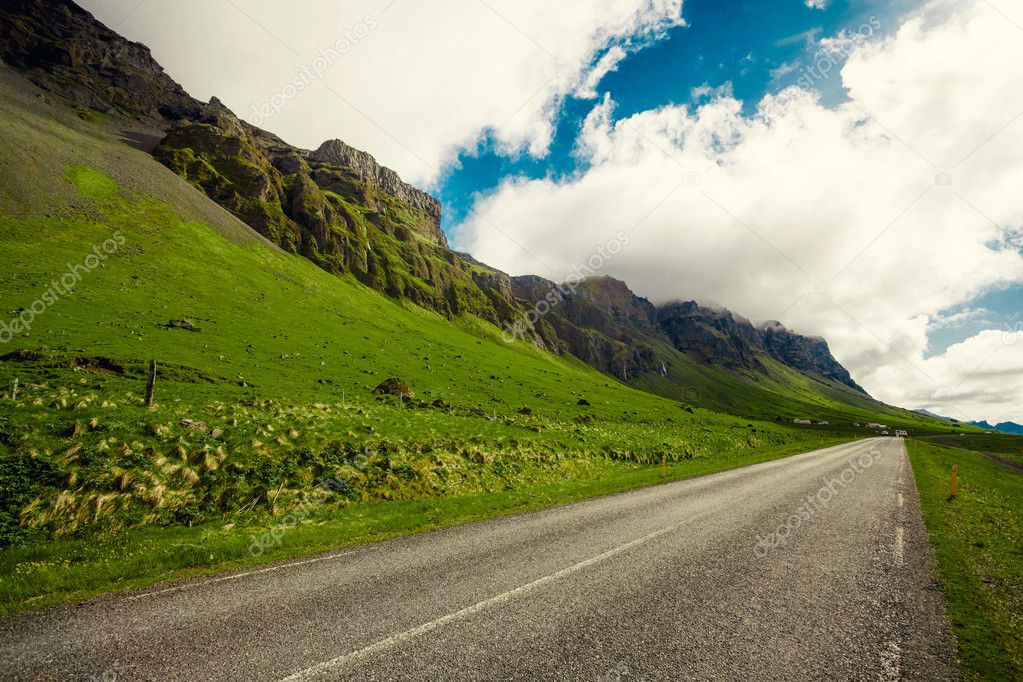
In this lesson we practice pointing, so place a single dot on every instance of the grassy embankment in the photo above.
(978, 538)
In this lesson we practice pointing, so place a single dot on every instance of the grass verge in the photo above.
(71, 570)
(978, 538)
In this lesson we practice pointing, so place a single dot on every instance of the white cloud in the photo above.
(785, 69)
(817, 4)
(984, 374)
(845, 42)
(425, 81)
(956, 319)
(860, 223)
(605, 65)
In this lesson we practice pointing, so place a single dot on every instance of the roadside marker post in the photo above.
(955, 479)
(151, 383)
(664, 467)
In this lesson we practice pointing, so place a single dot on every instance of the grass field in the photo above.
(978, 538)
(1004, 445)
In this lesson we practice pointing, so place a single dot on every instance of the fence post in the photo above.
(151, 384)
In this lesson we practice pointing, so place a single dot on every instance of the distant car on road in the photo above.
(901, 434)
(884, 433)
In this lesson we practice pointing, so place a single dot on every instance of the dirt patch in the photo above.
(999, 459)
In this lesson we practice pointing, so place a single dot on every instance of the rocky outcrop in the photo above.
(602, 322)
(715, 337)
(367, 169)
(340, 217)
(63, 49)
(598, 320)
(808, 354)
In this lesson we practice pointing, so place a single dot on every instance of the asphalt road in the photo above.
(678, 581)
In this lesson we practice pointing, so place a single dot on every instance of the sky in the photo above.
(848, 167)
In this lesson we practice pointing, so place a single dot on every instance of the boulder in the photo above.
(394, 386)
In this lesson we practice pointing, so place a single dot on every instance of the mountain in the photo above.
(687, 351)
(338, 208)
(335, 206)
(931, 414)
(1004, 427)
(1010, 427)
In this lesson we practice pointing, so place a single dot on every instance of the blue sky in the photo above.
(1000, 308)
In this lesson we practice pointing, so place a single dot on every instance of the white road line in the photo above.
(899, 548)
(902, 501)
(236, 576)
(480, 606)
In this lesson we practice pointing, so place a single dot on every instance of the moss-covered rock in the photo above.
(395, 386)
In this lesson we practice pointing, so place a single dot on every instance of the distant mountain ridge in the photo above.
(1004, 427)
(932, 414)
(606, 324)
(339, 208)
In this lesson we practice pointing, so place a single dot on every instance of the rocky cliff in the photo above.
(345, 219)
(715, 337)
(366, 168)
(61, 48)
(604, 323)
(809, 354)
